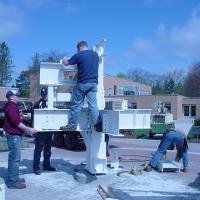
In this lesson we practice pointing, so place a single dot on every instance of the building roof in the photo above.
(126, 82)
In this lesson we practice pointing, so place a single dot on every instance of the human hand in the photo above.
(32, 131)
(65, 61)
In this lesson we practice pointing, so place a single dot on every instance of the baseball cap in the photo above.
(44, 91)
(12, 93)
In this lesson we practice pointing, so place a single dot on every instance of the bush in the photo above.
(197, 122)
(139, 133)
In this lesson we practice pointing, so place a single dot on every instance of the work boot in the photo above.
(37, 172)
(98, 127)
(50, 168)
(185, 170)
(17, 185)
(147, 168)
(67, 128)
(21, 180)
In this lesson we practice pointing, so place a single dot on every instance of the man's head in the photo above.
(82, 45)
(12, 95)
(44, 92)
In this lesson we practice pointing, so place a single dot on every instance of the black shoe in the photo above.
(17, 185)
(37, 172)
(67, 128)
(98, 127)
(52, 169)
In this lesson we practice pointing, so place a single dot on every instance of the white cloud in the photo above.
(71, 8)
(34, 4)
(177, 42)
(11, 20)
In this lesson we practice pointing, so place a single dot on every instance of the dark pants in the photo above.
(107, 138)
(43, 142)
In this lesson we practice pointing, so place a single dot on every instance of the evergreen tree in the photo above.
(5, 65)
(23, 83)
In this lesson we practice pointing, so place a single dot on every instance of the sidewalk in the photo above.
(61, 185)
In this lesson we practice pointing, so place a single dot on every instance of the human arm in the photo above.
(27, 129)
(65, 61)
(70, 61)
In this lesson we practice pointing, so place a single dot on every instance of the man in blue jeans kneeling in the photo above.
(173, 137)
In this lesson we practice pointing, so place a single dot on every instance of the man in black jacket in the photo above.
(43, 141)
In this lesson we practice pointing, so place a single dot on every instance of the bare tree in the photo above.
(192, 82)
(142, 76)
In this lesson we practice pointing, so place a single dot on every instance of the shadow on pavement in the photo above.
(60, 165)
(157, 195)
(196, 182)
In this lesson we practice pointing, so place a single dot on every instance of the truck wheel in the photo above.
(58, 140)
(71, 141)
(151, 135)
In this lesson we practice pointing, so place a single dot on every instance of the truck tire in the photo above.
(151, 135)
(58, 139)
(71, 140)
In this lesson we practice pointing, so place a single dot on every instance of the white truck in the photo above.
(50, 119)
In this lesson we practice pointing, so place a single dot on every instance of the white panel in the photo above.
(142, 118)
(53, 74)
(110, 122)
(45, 119)
(126, 119)
(49, 73)
(113, 120)
(64, 97)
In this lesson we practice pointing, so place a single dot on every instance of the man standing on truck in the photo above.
(43, 141)
(14, 129)
(173, 137)
(87, 62)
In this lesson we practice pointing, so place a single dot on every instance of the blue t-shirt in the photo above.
(87, 62)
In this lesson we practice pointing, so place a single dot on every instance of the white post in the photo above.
(2, 189)
(50, 97)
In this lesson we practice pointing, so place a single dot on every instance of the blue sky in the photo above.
(154, 35)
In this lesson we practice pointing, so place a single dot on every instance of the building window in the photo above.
(193, 110)
(129, 93)
(168, 106)
(110, 92)
(133, 105)
(115, 90)
(186, 110)
(189, 110)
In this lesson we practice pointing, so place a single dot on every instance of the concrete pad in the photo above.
(152, 186)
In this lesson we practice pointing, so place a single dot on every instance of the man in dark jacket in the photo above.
(14, 129)
(43, 141)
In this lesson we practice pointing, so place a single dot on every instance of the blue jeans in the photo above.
(81, 91)
(14, 157)
(43, 142)
(169, 138)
